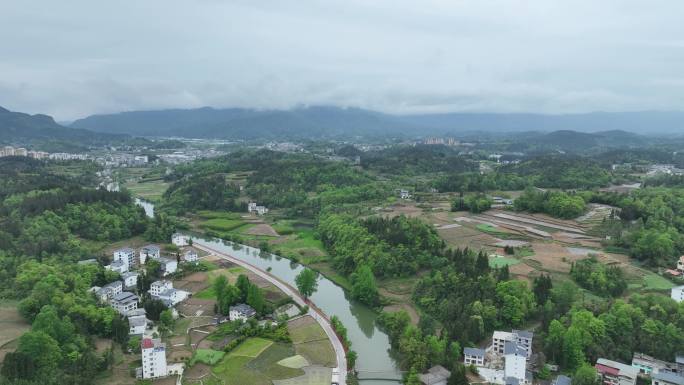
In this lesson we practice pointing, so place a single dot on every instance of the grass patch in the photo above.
(206, 356)
(222, 224)
(317, 352)
(489, 229)
(232, 371)
(653, 281)
(252, 347)
(150, 190)
(499, 262)
(307, 333)
(267, 362)
(206, 214)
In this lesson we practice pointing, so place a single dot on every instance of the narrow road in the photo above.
(314, 312)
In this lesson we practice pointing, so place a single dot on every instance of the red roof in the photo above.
(147, 343)
(607, 370)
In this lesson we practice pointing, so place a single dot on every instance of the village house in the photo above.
(118, 266)
(168, 266)
(520, 337)
(124, 302)
(261, 210)
(677, 293)
(473, 356)
(251, 207)
(130, 279)
(515, 363)
(649, 365)
(666, 378)
(616, 373)
(180, 240)
(191, 256)
(680, 264)
(137, 322)
(157, 287)
(679, 360)
(404, 194)
(436, 375)
(108, 291)
(149, 251)
(153, 358)
(126, 255)
(241, 312)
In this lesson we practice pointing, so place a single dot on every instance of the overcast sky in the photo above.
(73, 58)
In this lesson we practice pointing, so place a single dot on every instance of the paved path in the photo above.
(314, 312)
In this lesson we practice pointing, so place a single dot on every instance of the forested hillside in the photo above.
(48, 223)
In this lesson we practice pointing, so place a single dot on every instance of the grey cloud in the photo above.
(75, 58)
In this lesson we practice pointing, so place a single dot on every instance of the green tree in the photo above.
(307, 282)
(255, 298)
(364, 287)
(243, 285)
(412, 377)
(585, 375)
(43, 349)
(166, 319)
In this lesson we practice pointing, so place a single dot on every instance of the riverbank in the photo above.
(317, 314)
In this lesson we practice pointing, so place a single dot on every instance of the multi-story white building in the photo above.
(149, 251)
(677, 293)
(124, 302)
(519, 337)
(137, 322)
(180, 240)
(153, 358)
(515, 363)
(251, 207)
(125, 255)
(130, 279)
(158, 287)
(171, 297)
(241, 312)
(108, 291)
(473, 356)
(118, 266)
(168, 266)
(190, 256)
(649, 365)
(616, 373)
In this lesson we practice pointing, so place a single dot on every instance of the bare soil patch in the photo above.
(194, 307)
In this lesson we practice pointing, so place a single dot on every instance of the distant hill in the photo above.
(334, 122)
(234, 123)
(43, 132)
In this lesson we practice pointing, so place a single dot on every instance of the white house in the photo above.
(149, 251)
(251, 207)
(677, 293)
(118, 266)
(153, 358)
(473, 356)
(241, 312)
(158, 287)
(137, 324)
(515, 362)
(130, 279)
(126, 255)
(171, 297)
(404, 194)
(168, 266)
(108, 291)
(124, 302)
(680, 264)
(648, 365)
(190, 256)
(261, 210)
(520, 337)
(180, 240)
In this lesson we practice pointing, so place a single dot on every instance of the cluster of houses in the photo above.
(677, 292)
(505, 361)
(660, 372)
(252, 207)
(125, 259)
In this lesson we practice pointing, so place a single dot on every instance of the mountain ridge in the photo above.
(335, 122)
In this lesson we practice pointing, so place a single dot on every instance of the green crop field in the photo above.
(206, 356)
(252, 347)
(497, 262)
(655, 282)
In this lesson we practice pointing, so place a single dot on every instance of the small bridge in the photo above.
(370, 375)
